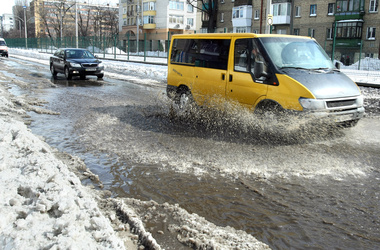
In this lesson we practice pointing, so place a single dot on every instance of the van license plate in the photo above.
(343, 118)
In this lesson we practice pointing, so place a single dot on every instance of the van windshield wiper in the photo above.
(290, 67)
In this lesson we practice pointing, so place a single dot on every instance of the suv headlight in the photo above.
(100, 65)
(75, 65)
(312, 104)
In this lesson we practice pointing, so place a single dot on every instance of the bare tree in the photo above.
(209, 9)
(56, 18)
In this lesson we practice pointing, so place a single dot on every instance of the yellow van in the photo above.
(264, 73)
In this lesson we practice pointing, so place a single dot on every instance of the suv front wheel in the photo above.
(67, 73)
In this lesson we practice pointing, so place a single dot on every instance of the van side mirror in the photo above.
(258, 70)
(337, 65)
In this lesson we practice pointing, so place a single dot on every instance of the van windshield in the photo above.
(289, 52)
(2, 43)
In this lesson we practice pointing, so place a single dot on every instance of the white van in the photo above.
(3, 48)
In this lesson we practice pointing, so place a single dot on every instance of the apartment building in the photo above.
(7, 22)
(155, 18)
(59, 18)
(353, 21)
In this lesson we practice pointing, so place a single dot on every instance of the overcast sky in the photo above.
(6, 5)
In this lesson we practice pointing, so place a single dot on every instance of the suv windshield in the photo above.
(294, 52)
(75, 54)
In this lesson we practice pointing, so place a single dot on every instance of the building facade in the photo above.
(7, 22)
(153, 19)
(353, 22)
(59, 18)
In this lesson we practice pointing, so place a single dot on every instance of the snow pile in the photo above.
(189, 229)
(43, 204)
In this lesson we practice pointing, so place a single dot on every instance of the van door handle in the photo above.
(230, 78)
(223, 76)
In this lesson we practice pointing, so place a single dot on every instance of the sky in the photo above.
(6, 5)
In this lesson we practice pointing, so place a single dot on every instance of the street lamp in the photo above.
(26, 33)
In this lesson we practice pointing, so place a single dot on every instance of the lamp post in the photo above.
(26, 33)
(76, 23)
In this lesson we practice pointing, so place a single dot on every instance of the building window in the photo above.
(349, 30)
(296, 32)
(329, 33)
(190, 8)
(371, 32)
(373, 5)
(241, 29)
(311, 32)
(238, 12)
(175, 19)
(221, 1)
(149, 6)
(190, 22)
(176, 5)
(298, 11)
(313, 10)
(349, 5)
(221, 17)
(331, 9)
(148, 19)
(257, 15)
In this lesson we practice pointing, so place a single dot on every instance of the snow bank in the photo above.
(43, 204)
(189, 229)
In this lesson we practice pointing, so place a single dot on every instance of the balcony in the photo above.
(281, 13)
(242, 16)
(149, 13)
(346, 10)
(149, 26)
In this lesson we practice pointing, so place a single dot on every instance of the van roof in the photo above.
(230, 35)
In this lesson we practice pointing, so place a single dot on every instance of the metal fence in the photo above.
(156, 45)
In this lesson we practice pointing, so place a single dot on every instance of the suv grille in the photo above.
(89, 64)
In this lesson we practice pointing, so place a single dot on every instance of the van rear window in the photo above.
(207, 53)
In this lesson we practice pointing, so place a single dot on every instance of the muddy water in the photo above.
(301, 190)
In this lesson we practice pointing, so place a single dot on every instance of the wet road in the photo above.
(295, 189)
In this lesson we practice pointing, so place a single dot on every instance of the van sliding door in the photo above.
(209, 86)
(242, 85)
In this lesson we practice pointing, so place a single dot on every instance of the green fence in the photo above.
(149, 45)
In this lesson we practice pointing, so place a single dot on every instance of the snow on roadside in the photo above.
(43, 204)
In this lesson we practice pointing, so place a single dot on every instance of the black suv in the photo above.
(75, 62)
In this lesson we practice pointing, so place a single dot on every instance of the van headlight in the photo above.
(360, 101)
(312, 104)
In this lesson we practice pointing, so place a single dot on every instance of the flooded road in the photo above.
(294, 189)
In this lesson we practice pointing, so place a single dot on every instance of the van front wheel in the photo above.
(183, 102)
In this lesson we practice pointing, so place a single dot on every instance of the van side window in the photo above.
(241, 55)
(247, 53)
(206, 53)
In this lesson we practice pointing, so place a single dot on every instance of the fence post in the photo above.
(128, 48)
(144, 47)
(333, 49)
(360, 55)
(114, 45)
